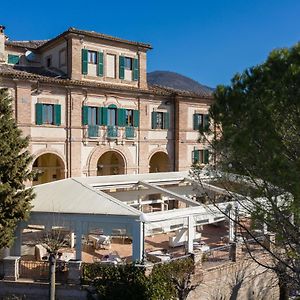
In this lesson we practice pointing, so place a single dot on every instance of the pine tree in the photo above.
(14, 172)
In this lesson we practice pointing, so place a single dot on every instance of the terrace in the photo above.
(119, 218)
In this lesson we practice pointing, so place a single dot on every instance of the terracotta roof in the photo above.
(26, 44)
(50, 76)
(97, 35)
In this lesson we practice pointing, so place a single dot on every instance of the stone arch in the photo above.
(50, 166)
(159, 161)
(99, 151)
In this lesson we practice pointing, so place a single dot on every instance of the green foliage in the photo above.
(258, 117)
(129, 281)
(14, 161)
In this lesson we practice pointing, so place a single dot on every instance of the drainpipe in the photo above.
(175, 132)
(138, 137)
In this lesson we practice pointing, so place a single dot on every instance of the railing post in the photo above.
(11, 268)
(74, 274)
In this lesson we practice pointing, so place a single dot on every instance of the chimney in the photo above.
(2, 44)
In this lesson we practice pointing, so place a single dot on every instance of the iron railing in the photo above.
(129, 132)
(112, 131)
(93, 131)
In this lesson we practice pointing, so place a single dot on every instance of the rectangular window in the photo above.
(129, 117)
(198, 121)
(160, 120)
(92, 116)
(13, 59)
(92, 57)
(112, 116)
(201, 121)
(48, 62)
(128, 63)
(62, 57)
(110, 66)
(48, 113)
(200, 156)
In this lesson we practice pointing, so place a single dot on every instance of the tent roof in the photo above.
(76, 197)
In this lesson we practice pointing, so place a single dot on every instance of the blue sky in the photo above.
(208, 41)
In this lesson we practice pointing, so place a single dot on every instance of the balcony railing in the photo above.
(112, 132)
(129, 132)
(93, 131)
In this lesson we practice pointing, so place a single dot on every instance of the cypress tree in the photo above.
(14, 172)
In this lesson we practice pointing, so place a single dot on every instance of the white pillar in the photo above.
(137, 241)
(191, 234)
(78, 246)
(72, 239)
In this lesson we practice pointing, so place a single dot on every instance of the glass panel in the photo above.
(111, 116)
(129, 117)
(92, 116)
(92, 57)
(159, 120)
(47, 113)
(128, 63)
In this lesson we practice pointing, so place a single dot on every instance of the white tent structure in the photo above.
(140, 204)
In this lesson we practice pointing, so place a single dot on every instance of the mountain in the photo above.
(178, 82)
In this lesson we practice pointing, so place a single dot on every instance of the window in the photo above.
(128, 68)
(48, 62)
(160, 120)
(48, 111)
(128, 63)
(111, 116)
(200, 121)
(111, 66)
(13, 59)
(92, 116)
(48, 114)
(62, 58)
(129, 117)
(200, 156)
(92, 57)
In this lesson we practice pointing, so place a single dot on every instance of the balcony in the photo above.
(93, 131)
(112, 132)
(129, 132)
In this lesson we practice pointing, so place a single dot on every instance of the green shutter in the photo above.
(206, 122)
(85, 110)
(121, 67)
(205, 156)
(195, 156)
(13, 59)
(135, 70)
(154, 118)
(166, 120)
(57, 114)
(99, 116)
(84, 61)
(100, 64)
(39, 113)
(136, 118)
(104, 116)
(196, 122)
(121, 115)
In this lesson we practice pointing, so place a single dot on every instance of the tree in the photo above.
(14, 160)
(257, 135)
